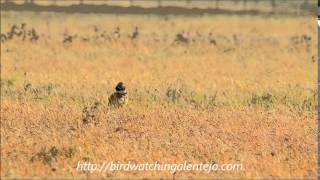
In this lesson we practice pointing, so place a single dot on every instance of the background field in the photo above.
(242, 90)
(271, 6)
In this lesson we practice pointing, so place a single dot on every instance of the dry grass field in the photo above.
(227, 89)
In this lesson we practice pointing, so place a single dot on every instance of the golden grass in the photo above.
(250, 100)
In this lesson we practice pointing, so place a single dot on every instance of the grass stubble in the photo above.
(235, 90)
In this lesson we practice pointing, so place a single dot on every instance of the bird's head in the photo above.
(120, 88)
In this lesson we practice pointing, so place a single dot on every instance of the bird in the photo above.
(119, 98)
(135, 34)
(116, 33)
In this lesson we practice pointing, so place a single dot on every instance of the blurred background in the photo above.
(298, 7)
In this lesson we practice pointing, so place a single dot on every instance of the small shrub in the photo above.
(47, 156)
(265, 100)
